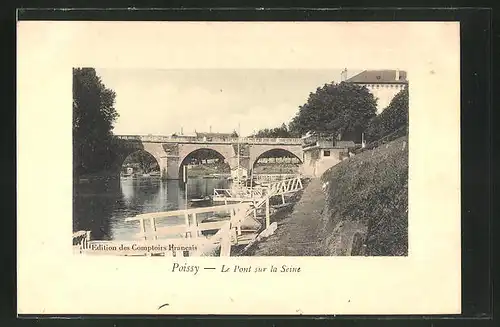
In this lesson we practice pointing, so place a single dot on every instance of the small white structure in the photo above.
(243, 173)
(321, 155)
(383, 84)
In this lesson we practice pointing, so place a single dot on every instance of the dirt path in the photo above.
(298, 234)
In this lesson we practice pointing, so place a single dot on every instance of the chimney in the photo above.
(343, 75)
(397, 74)
(210, 128)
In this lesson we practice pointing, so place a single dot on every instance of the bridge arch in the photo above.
(277, 152)
(123, 156)
(205, 155)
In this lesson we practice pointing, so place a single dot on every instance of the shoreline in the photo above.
(281, 217)
(296, 225)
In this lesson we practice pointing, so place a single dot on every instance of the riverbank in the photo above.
(209, 170)
(298, 227)
(358, 207)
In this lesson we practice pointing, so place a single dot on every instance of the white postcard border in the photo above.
(53, 281)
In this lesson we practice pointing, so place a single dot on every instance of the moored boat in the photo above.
(201, 201)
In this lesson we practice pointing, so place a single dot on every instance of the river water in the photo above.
(102, 206)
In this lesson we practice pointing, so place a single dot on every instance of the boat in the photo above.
(201, 201)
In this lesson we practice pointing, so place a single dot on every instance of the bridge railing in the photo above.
(265, 140)
(186, 139)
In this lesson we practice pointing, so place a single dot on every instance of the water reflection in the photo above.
(102, 206)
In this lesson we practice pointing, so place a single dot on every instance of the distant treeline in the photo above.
(282, 131)
(345, 110)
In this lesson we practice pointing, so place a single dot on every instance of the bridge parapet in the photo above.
(184, 139)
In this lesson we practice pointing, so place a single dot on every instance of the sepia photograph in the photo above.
(240, 162)
(209, 167)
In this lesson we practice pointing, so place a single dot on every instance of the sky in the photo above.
(162, 102)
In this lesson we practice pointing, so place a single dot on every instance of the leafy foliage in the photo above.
(93, 118)
(391, 119)
(146, 162)
(281, 131)
(335, 109)
(201, 155)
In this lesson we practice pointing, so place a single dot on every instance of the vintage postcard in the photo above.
(239, 168)
(245, 167)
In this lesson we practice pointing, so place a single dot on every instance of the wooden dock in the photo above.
(222, 227)
(258, 194)
(205, 231)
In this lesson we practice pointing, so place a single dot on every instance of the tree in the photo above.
(144, 160)
(276, 132)
(335, 109)
(392, 118)
(93, 118)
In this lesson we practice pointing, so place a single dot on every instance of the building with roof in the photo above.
(383, 84)
(319, 154)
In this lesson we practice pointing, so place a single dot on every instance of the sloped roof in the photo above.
(379, 76)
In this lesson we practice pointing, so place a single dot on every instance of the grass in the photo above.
(371, 188)
(368, 190)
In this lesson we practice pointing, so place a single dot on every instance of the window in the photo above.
(326, 153)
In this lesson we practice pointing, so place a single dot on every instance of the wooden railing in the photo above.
(226, 220)
(191, 227)
(272, 177)
(239, 194)
(81, 237)
(228, 227)
(286, 186)
(283, 187)
(259, 196)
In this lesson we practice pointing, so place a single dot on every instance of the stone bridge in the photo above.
(171, 152)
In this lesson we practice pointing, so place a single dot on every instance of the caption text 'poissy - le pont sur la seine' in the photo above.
(194, 269)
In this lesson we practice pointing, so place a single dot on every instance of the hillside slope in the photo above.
(370, 191)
